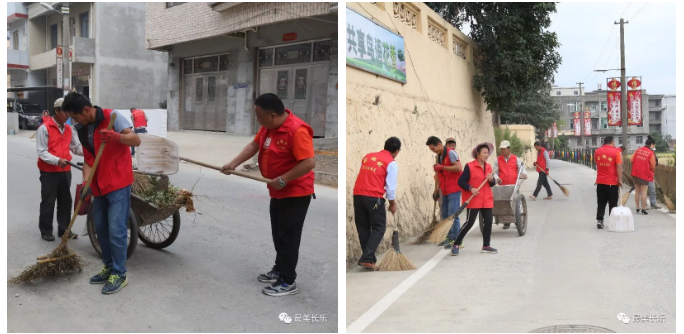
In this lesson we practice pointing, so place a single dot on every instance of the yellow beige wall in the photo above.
(452, 108)
(527, 136)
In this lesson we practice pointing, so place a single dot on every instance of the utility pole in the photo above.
(66, 41)
(623, 84)
(581, 116)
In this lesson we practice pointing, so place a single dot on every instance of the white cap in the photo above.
(58, 103)
(505, 144)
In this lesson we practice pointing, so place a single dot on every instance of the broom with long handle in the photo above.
(668, 202)
(394, 260)
(441, 230)
(565, 190)
(234, 172)
(434, 222)
(625, 197)
(63, 259)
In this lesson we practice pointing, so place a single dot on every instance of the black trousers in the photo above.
(143, 130)
(470, 221)
(606, 194)
(371, 221)
(542, 181)
(287, 222)
(55, 186)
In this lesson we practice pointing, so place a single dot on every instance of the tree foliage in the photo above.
(517, 55)
(539, 110)
(661, 142)
(517, 146)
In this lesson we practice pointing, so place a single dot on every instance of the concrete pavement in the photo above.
(204, 282)
(564, 271)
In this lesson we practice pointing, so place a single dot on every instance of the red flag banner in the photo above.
(614, 108)
(634, 103)
(577, 126)
(555, 130)
(587, 126)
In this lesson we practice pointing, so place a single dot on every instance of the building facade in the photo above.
(662, 114)
(222, 55)
(570, 99)
(109, 62)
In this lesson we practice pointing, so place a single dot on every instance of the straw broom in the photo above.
(423, 237)
(565, 190)
(441, 231)
(668, 202)
(62, 259)
(394, 260)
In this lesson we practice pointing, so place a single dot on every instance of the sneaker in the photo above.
(269, 277)
(448, 243)
(102, 276)
(115, 284)
(599, 224)
(280, 288)
(489, 250)
(48, 237)
(454, 250)
(444, 242)
(506, 226)
(72, 235)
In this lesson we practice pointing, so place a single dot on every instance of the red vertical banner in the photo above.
(634, 114)
(555, 130)
(577, 126)
(587, 126)
(614, 102)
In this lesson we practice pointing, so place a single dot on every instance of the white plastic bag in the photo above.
(621, 219)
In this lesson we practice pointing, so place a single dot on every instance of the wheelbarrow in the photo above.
(510, 207)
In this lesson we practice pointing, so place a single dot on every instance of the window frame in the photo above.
(85, 22)
(54, 42)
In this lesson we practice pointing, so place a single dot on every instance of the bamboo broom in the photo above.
(423, 237)
(565, 190)
(441, 231)
(668, 202)
(62, 259)
(394, 260)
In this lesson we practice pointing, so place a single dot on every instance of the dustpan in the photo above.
(621, 219)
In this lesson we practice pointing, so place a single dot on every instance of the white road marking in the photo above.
(380, 307)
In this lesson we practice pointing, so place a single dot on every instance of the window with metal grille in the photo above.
(223, 63)
(300, 84)
(265, 57)
(206, 64)
(15, 40)
(293, 54)
(322, 50)
(187, 66)
(199, 89)
(639, 139)
(283, 77)
(558, 92)
(211, 88)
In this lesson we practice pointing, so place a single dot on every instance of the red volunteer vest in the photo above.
(58, 145)
(448, 181)
(138, 118)
(373, 173)
(115, 169)
(277, 153)
(485, 199)
(606, 167)
(541, 161)
(508, 171)
(641, 166)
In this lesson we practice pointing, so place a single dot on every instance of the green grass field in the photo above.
(367, 65)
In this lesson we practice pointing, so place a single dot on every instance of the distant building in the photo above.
(662, 109)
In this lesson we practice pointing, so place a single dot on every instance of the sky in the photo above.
(584, 32)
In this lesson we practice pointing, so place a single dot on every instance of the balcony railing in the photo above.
(43, 60)
(16, 11)
(17, 58)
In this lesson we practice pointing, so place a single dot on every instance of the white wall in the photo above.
(12, 122)
(156, 120)
(669, 116)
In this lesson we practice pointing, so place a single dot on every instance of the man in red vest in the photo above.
(139, 119)
(543, 162)
(111, 183)
(506, 168)
(448, 171)
(608, 178)
(55, 141)
(286, 156)
(377, 177)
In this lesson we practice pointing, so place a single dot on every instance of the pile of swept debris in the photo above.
(145, 186)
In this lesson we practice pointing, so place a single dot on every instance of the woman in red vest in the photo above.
(643, 168)
(111, 184)
(55, 141)
(474, 174)
(286, 156)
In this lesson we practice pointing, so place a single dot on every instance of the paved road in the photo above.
(204, 282)
(564, 271)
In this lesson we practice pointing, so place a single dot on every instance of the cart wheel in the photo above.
(521, 215)
(161, 234)
(132, 233)
(481, 223)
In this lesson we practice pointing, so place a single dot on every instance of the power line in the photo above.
(642, 7)
(624, 11)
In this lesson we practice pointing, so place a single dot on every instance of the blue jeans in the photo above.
(451, 203)
(111, 225)
(652, 193)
